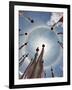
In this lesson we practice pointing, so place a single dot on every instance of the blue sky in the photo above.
(55, 53)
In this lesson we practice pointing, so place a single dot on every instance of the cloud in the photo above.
(54, 18)
(20, 73)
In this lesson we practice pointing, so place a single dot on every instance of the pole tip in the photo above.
(25, 33)
(51, 28)
(32, 21)
(43, 45)
(37, 49)
(26, 43)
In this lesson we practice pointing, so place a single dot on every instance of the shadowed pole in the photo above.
(23, 34)
(23, 45)
(45, 74)
(26, 17)
(52, 73)
(60, 43)
(60, 33)
(38, 70)
(21, 57)
(19, 29)
(29, 70)
(21, 61)
(60, 20)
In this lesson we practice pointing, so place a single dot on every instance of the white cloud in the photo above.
(20, 73)
(54, 18)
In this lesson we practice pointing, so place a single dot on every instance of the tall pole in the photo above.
(38, 70)
(29, 70)
(60, 43)
(21, 61)
(60, 20)
(23, 45)
(26, 17)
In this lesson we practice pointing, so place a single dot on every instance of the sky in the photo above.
(40, 33)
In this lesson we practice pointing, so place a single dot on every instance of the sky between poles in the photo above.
(39, 33)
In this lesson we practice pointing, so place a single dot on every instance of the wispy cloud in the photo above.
(54, 18)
